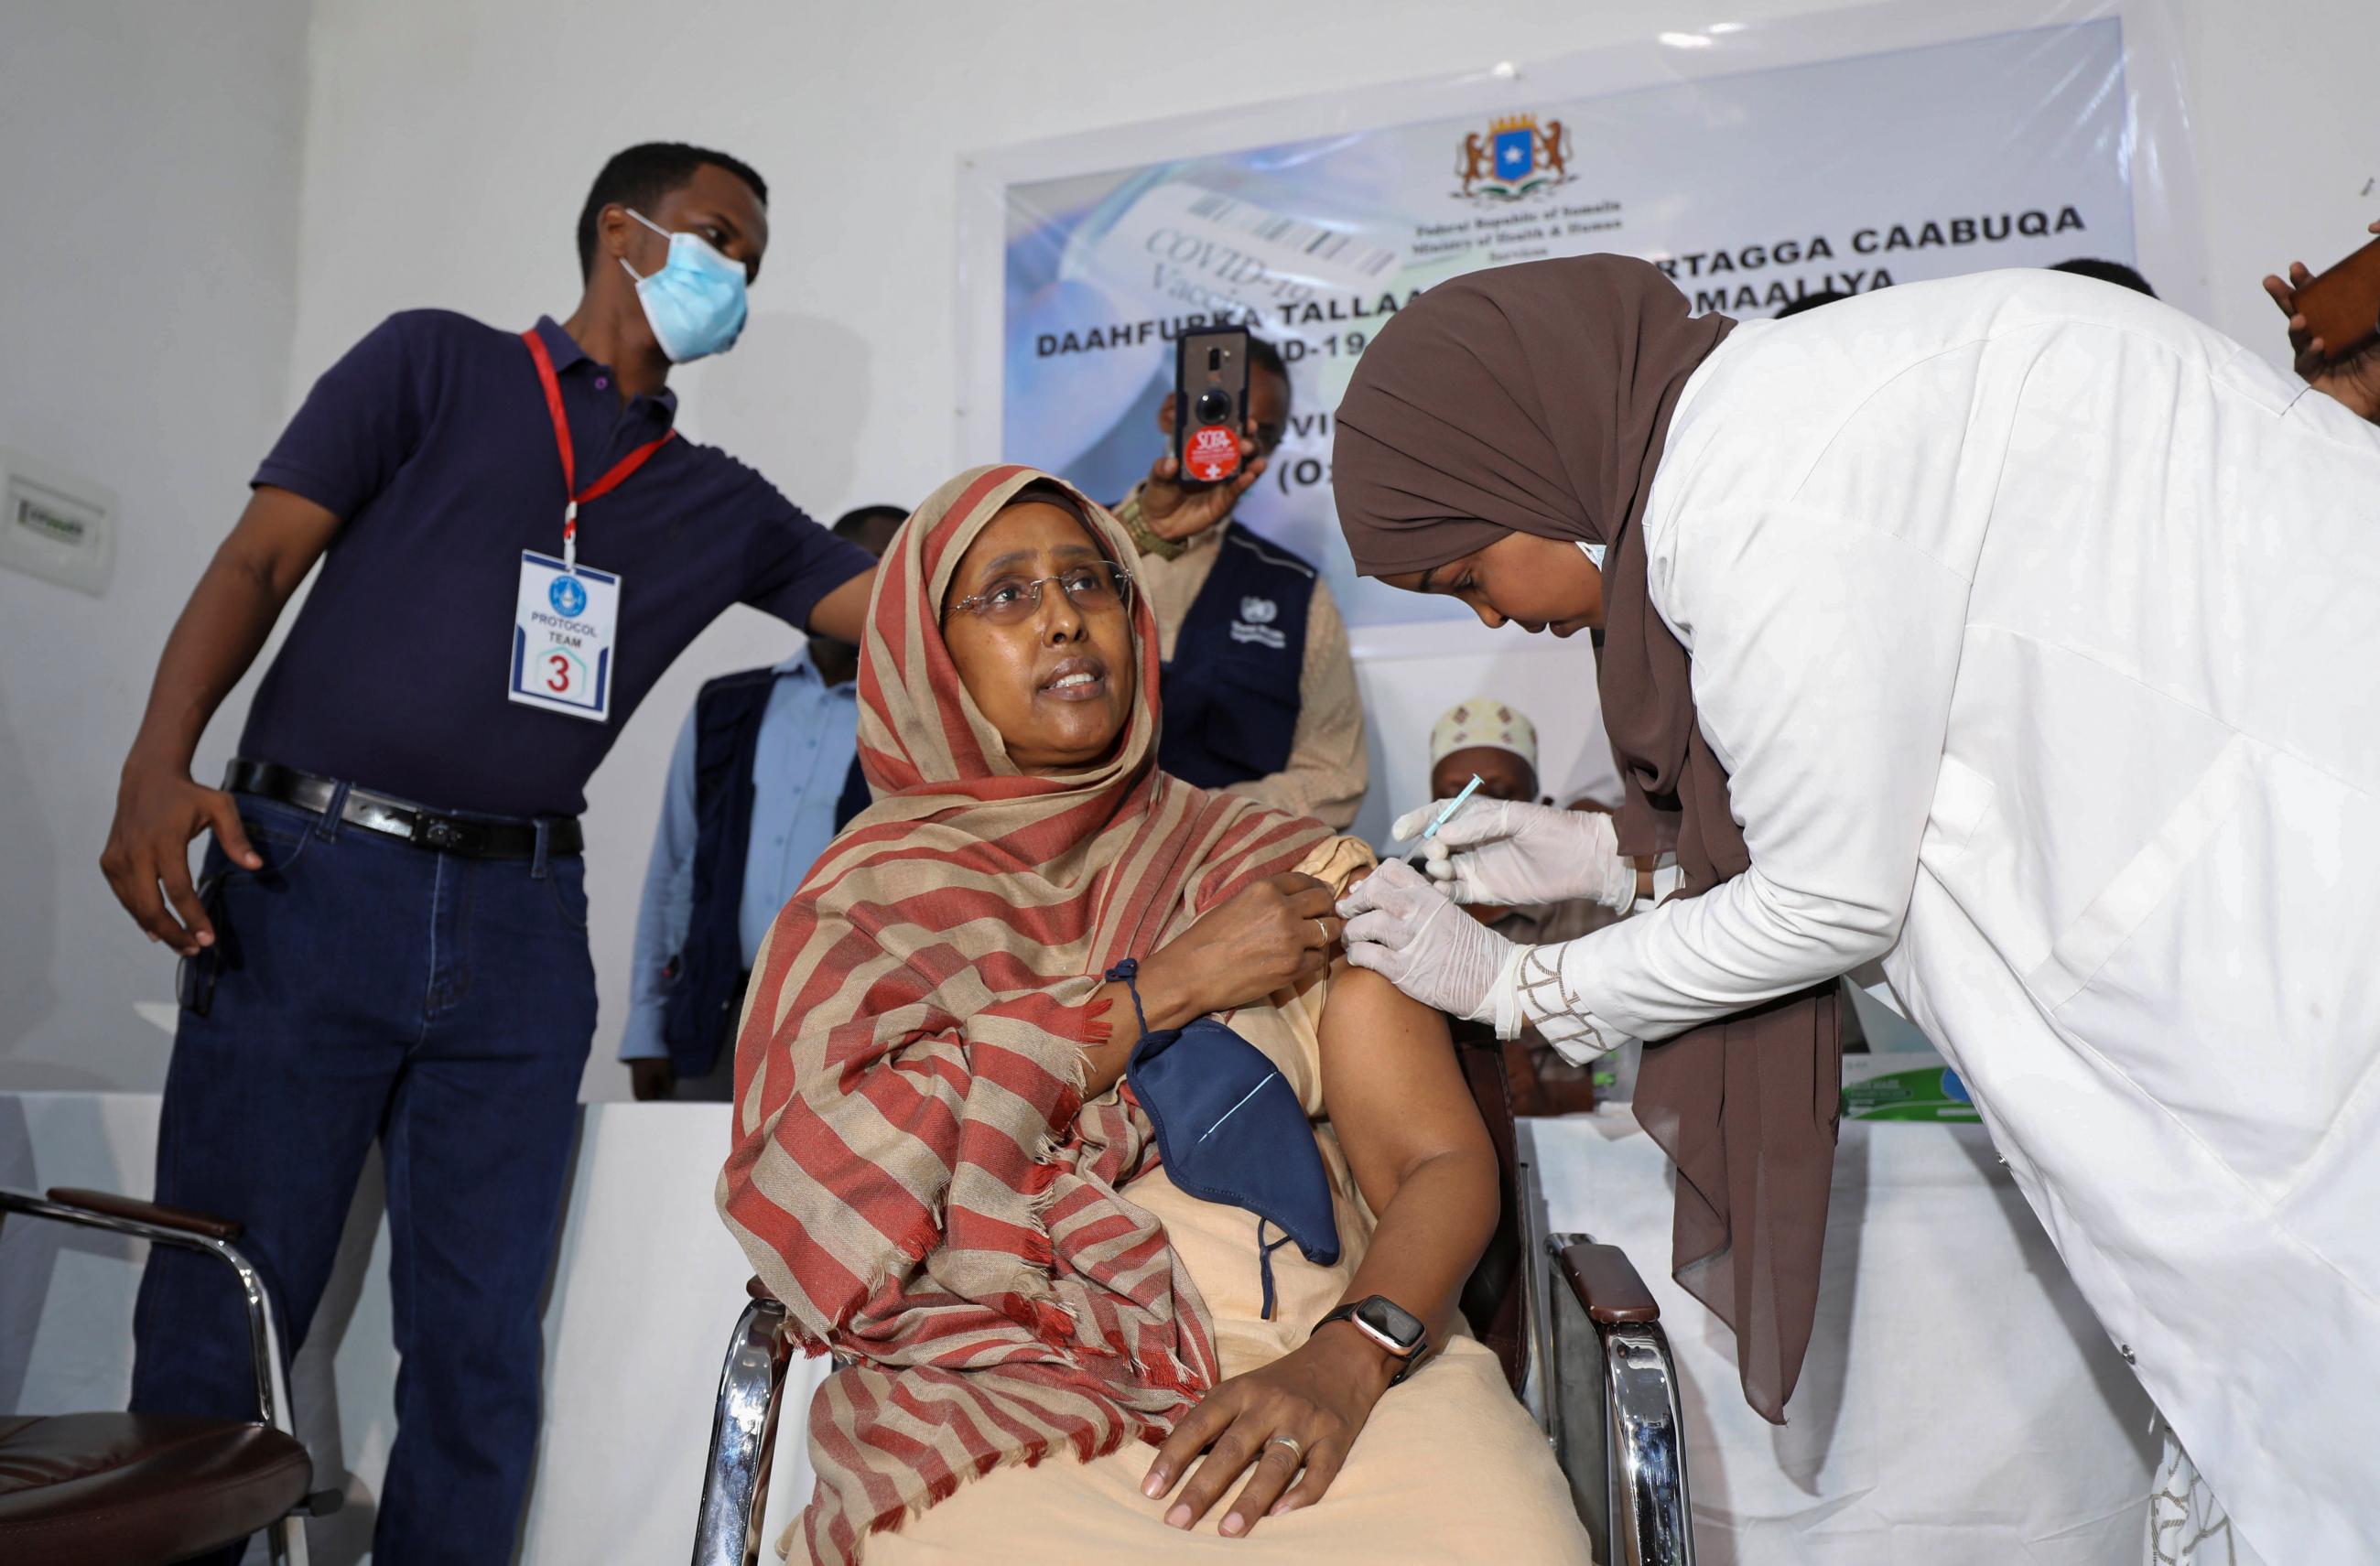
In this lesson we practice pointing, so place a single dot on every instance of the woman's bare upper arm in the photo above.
(1390, 1084)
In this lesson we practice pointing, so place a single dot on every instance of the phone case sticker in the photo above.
(1210, 455)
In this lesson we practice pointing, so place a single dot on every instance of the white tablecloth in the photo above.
(1960, 1405)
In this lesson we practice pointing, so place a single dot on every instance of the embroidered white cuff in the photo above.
(1548, 1003)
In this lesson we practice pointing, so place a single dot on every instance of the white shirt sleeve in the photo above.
(1823, 654)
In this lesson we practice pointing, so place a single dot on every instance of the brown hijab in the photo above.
(1536, 399)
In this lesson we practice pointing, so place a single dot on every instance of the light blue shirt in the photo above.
(809, 735)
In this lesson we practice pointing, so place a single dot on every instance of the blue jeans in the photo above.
(361, 987)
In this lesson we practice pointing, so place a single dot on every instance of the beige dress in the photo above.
(1449, 1468)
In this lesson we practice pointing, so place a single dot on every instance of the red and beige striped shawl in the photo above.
(914, 1172)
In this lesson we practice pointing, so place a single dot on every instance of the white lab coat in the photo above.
(2034, 623)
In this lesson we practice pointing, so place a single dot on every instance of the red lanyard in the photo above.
(602, 486)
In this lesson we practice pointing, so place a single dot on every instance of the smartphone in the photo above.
(2342, 306)
(1210, 404)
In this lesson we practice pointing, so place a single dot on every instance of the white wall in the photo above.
(448, 144)
(149, 156)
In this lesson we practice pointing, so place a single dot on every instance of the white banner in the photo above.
(1849, 152)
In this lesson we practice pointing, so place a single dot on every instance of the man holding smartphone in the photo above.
(1259, 686)
(389, 938)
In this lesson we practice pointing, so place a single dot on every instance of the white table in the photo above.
(1960, 1405)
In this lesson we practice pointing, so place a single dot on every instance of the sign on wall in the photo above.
(1754, 165)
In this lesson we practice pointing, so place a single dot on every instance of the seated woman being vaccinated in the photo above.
(1136, 1217)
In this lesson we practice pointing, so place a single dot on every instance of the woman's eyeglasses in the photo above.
(1092, 588)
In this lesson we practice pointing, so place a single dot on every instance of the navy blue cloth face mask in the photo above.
(1231, 1129)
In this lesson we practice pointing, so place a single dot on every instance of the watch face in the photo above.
(1402, 1330)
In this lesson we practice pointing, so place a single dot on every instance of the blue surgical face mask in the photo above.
(1593, 553)
(694, 303)
(1229, 1129)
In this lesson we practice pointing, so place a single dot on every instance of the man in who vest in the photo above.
(1259, 688)
(388, 938)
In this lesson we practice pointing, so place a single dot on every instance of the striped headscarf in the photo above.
(915, 1172)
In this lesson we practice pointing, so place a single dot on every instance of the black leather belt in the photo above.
(471, 837)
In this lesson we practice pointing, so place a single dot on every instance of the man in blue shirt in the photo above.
(766, 771)
(388, 939)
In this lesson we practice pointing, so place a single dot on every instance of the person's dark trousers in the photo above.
(368, 988)
(716, 1086)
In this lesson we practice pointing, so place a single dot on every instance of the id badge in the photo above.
(563, 638)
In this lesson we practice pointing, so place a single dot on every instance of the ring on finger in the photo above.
(1326, 941)
(1295, 1451)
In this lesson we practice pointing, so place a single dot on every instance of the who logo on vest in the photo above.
(1256, 623)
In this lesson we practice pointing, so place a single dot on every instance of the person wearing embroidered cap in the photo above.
(1487, 737)
(388, 942)
(2012, 630)
(1490, 740)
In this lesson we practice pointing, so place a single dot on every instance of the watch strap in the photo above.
(1410, 1360)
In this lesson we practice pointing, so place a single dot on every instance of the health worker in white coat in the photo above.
(2019, 631)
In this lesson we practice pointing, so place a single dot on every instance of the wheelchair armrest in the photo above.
(1605, 1282)
(743, 1435)
(205, 1225)
(190, 1231)
(1616, 1421)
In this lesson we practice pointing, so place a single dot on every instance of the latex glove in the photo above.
(1405, 929)
(1519, 856)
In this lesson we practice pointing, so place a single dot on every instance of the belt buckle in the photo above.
(436, 832)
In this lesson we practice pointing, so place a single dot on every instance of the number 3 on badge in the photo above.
(565, 626)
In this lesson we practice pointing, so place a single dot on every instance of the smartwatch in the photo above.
(1397, 1330)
